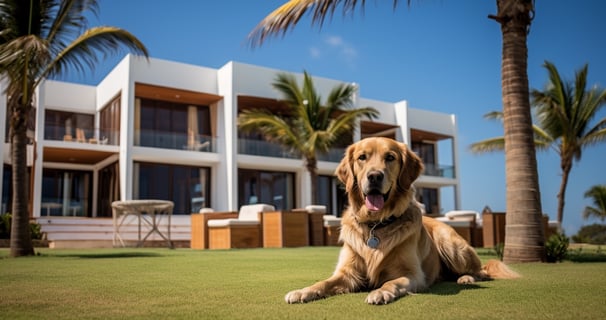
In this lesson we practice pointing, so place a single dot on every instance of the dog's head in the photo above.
(378, 174)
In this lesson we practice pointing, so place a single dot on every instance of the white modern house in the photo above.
(165, 130)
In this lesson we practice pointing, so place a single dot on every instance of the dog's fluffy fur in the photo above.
(413, 251)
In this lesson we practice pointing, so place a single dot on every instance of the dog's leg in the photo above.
(346, 278)
(334, 285)
(394, 289)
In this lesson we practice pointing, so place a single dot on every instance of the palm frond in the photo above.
(95, 43)
(286, 17)
(494, 115)
(488, 145)
(273, 127)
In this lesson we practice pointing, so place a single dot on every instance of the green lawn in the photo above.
(250, 284)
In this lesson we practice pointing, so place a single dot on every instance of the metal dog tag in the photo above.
(373, 242)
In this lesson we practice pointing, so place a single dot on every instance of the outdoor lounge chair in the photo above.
(241, 232)
(466, 223)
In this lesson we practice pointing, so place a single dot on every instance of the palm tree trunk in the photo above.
(20, 242)
(524, 240)
(566, 165)
(312, 167)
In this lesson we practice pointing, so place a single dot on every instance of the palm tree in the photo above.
(308, 126)
(564, 112)
(598, 194)
(40, 39)
(524, 241)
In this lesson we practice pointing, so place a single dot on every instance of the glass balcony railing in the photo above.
(435, 170)
(175, 140)
(333, 155)
(88, 135)
(265, 149)
(270, 149)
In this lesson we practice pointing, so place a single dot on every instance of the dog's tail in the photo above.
(495, 269)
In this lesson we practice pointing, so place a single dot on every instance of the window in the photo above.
(108, 187)
(429, 198)
(61, 125)
(66, 193)
(275, 188)
(171, 125)
(188, 187)
(109, 123)
(331, 193)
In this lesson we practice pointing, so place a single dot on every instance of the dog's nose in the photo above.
(375, 177)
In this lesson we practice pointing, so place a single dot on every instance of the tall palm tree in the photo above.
(41, 39)
(565, 111)
(564, 114)
(598, 194)
(308, 126)
(524, 240)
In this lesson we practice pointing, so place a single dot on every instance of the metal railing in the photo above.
(175, 140)
(89, 135)
(436, 170)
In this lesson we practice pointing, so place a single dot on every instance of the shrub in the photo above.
(557, 247)
(593, 234)
(5, 228)
(498, 249)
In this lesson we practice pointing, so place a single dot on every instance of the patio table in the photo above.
(148, 213)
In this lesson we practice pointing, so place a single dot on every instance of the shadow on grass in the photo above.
(451, 288)
(111, 255)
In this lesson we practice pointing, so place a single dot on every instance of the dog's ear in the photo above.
(411, 167)
(344, 170)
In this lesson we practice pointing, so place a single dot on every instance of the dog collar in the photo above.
(374, 241)
(382, 224)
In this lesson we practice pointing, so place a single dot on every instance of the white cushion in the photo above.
(315, 209)
(231, 222)
(454, 223)
(206, 210)
(251, 212)
(462, 215)
(331, 221)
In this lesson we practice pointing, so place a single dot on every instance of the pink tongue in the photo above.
(374, 202)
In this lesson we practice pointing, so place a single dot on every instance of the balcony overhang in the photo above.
(377, 129)
(150, 91)
(76, 156)
(417, 135)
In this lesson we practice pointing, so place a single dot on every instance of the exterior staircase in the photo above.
(74, 232)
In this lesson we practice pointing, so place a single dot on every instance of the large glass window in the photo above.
(275, 188)
(188, 187)
(66, 193)
(108, 187)
(171, 125)
(429, 197)
(109, 123)
(61, 125)
(330, 192)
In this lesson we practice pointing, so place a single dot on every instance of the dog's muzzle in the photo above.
(374, 198)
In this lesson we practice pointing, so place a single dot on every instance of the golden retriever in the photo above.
(389, 247)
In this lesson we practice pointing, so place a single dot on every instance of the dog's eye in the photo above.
(390, 157)
(362, 157)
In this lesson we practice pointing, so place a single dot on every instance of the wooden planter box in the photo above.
(285, 229)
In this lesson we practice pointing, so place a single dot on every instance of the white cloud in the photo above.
(335, 46)
(315, 52)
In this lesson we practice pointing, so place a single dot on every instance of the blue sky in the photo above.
(440, 55)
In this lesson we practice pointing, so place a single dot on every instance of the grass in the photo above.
(250, 284)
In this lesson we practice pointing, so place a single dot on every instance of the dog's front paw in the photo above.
(302, 296)
(380, 296)
(466, 279)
